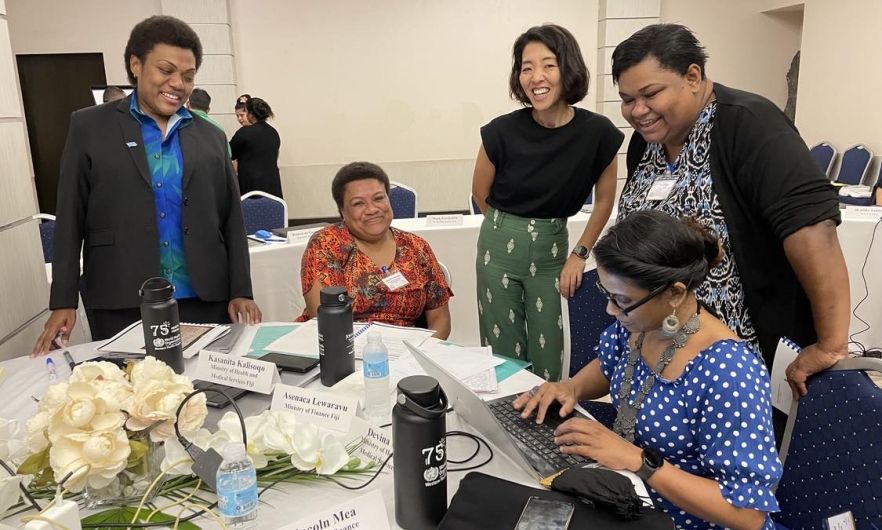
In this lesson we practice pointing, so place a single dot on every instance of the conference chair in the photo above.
(47, 234)
(473, 206)
(588, 320)
(855, 164)
(825, 155)
(404, 201)
(832, 449)
(447, 275)
(263, 211)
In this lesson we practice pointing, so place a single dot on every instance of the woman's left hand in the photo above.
(571, 276)
(591, 439)
(245, 307)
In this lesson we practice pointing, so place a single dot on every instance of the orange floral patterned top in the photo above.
(332, 258)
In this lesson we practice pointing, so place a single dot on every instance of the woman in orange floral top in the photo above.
(393, 275)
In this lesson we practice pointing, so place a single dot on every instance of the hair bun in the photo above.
(713, 248)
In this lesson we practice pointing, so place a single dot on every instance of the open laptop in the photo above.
(530, 445)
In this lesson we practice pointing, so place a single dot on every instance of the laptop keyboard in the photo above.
(534, 437)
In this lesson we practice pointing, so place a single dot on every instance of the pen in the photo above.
(69, 359)
(50, 365)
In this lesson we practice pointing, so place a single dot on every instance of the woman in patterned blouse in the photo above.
(392, 275)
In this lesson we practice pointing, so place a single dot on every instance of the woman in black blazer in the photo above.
(147, 190)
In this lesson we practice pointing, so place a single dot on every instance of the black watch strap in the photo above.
(652, 462)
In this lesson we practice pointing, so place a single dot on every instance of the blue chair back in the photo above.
(855, 163)
(473, 206)
(588, 319)
(404, 202)
(47, 236)
(263, 213)
(824, 154)
(832, 449)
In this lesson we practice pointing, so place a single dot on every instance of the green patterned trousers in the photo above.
(518, 278)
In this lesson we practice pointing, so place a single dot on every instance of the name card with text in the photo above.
(367, 512)
(303, 235)
(873, 213)
(239, 372)
(444, 220)
(324, 409)
(376, 445)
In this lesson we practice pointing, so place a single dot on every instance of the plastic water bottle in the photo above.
(375, 361)
(237, 488)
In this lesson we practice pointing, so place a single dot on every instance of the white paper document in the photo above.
(194, 337)
(392, 338)
(463, 363)
(782, 395)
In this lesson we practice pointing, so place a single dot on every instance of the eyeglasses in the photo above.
(655, 292)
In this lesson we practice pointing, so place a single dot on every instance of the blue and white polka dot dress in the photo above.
(713, 421)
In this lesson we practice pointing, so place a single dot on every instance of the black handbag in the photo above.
(483, 502)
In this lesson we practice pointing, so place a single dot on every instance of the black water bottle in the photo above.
(335, 336)
(419, 453)
(161, 323)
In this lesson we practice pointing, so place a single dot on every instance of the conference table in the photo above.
(27, 380)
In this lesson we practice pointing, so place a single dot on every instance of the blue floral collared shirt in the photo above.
(166, 163)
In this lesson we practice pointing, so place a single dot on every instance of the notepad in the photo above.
(194, 337)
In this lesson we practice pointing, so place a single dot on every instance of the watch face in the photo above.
(580, 251)
(652, 458)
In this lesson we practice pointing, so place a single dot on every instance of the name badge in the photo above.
(396, 280)
(239, 372)
(660, 189)
(324, 409)
(843, 521)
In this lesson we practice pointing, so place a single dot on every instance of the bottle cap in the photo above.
(156, 290)
(234, 452)
(421, 389)
(333, 296)
(374, 336)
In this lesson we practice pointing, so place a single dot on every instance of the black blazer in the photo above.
(105, 204)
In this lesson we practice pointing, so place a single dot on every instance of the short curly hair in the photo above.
(575, 78)
(356, 171)
(160, 29)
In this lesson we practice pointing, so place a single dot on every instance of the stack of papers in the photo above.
(304, 339)
(194, 337)
(475, 367)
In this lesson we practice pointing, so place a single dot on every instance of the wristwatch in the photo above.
(652, 461)
(581, 251)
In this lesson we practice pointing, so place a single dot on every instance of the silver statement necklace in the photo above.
(626, 419)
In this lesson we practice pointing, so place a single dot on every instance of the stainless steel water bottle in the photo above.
(419, 453)
(335, 336)
(161, 323)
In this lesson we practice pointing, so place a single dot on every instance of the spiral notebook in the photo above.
(194, 337)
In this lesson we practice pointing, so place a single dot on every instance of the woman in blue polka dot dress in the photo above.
(693, 401)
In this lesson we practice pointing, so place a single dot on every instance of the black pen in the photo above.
(69, 359)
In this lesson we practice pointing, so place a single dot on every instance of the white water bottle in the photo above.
(237, 488)
(375, 362)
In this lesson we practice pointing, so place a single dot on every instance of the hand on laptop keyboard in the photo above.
(549, 400)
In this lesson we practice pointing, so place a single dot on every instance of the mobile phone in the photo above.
(544, 514)
(291, 363)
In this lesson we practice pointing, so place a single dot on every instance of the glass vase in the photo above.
(130, 485)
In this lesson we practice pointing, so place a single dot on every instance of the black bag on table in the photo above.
(483, 502)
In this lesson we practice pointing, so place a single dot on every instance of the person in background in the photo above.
(256, 151)
(536, 167)
(146, 190)
(241, 111)
(732, 160)
(393, 275)
(113, 93)
(693, 400)
(200, 104)
(878, 194)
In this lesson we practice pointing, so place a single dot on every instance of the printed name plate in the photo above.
(324, 409)
(873, 213)
(367, 512)
(239, 372)
(303, 235)
(376, 444)
(444, 220)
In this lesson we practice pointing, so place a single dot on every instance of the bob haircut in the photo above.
(573, 72)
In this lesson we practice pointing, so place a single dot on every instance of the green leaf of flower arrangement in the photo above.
(139, 449)
(125, 514)
(35, 463)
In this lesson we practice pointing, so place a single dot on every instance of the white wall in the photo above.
(78, 26)
(748, 49)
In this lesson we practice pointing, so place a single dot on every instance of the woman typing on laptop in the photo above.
(692, 399)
